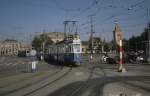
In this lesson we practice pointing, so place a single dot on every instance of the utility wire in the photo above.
(95, 2)
(122, 12)
(114, 15)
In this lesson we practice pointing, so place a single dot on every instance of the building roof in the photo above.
(96, 38)
(56, 36)
(55, 33)
(10, 41)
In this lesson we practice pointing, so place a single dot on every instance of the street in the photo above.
(75, 48)
(89, 79)
(16, 65)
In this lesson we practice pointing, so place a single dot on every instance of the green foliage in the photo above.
(38, 41)
(106, 47)
(137, 42)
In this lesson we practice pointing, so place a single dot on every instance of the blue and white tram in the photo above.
(68, 52)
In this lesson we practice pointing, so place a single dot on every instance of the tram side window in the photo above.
(63, 48)
(68, 48)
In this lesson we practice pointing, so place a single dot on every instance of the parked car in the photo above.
(107, 59)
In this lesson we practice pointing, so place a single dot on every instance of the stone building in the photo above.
(96, 44)
(85, 46)
(9, 47)
(56, 36)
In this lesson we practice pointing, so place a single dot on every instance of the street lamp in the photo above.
(148, 31)
(148, 34)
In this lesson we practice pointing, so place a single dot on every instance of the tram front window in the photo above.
(76, 47)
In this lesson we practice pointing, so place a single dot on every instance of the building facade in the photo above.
(56, 36)
(85, 46)
(9, 47)
(96, 47)
(97, 43)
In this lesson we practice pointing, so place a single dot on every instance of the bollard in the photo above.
(33, 66)
(41, 57)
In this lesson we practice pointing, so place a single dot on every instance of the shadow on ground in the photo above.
(95, 87)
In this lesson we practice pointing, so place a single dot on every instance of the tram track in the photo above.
(96, 81)
(29, 84)
(21, 80)
(9, 66)
(49, 83)
(79, 89)
(124, 82)
(30, 77)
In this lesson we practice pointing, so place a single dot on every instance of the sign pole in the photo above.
(33, 63)
(121, 69)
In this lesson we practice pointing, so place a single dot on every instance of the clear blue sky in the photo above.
(20, 19)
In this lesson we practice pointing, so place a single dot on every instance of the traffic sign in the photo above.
(33, 52)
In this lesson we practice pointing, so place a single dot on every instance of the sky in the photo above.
(23, 19)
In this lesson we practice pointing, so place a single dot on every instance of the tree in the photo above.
(95, 44)
(136, 43)
(107, 47)
(112, 45)
(38, 41)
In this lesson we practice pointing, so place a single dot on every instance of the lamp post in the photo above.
(148, 34)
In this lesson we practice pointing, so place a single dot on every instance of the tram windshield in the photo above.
(76, 47)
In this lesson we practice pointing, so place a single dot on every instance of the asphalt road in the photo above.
(90, 79)
(12, 65)
(17, 65)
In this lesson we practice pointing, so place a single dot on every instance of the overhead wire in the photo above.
(95, 2)
(75, 9)
(121, 13)
(114, 15)
(93, 5)
(80, 11)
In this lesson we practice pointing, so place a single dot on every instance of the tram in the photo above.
(66, 52)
